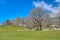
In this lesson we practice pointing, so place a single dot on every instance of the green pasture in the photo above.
(12, 34)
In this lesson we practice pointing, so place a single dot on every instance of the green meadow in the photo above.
(10, 33)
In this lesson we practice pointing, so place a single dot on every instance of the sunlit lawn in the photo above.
(29, 35)
(12, 28)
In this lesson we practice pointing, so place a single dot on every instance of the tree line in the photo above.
(38, 18)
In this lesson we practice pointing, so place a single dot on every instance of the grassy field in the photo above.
(12, 28)
(28, 35)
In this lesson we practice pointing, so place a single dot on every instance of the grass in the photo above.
(12, 28)
(29, 35)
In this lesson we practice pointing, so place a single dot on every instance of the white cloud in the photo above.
(42, 4)
(57, 1)
(36, 4)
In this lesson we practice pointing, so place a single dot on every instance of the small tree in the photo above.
(8, 22)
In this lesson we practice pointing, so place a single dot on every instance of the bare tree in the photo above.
(37, 16)
(19, 21)
(58, 18)
(29, 23)
(47, 20)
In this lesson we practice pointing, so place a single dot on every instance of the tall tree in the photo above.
(37, 15)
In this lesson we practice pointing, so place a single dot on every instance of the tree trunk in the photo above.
(40, 27)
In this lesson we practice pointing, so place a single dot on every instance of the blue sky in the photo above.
(10, 9)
